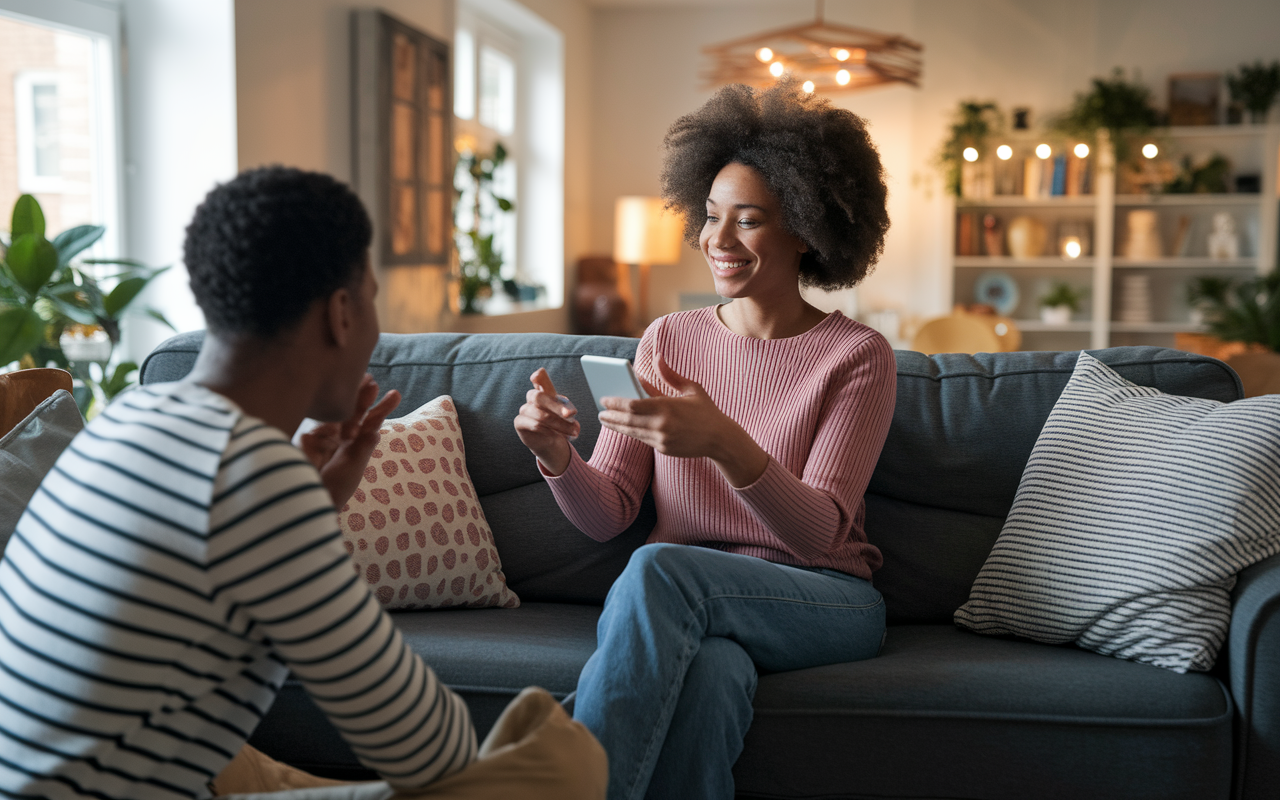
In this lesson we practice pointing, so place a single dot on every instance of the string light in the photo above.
(1150, 150)
(775, 69)
(1082, 150)
(765, 55)
(971, 154)
(1043, 151)
(808, 87)
(840, 54)
(842, 77)
(1004, 152)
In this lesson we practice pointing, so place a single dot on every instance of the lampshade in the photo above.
(646, 233)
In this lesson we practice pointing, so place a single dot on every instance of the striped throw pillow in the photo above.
(1135, 513)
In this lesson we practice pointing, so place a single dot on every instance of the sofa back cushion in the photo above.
(962, 431)
(543, 555)
(963, 428)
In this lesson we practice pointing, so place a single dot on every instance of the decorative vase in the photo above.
(1026, 237)
(1055, 315)
(1143, 240)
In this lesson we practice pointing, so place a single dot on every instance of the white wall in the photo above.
(179, 126)
(1036, 53)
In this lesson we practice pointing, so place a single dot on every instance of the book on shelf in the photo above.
(1032, 176)
(1058, 183)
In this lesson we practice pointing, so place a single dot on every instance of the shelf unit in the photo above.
(1251, 148)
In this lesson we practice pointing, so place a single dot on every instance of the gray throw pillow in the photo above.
(28, 452)
(1135, 512)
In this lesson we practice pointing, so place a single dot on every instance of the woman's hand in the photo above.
(545, 424)
(687, 425)
(341, 450)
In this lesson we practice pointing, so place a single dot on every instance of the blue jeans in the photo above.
(668, 691)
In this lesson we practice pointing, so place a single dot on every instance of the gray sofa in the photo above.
(941, 713)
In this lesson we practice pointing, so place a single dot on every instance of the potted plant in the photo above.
(479, 263)
(1060, 302)
(1117, 105)
(972, 126)
(1205, 293)
(1255, 87)
(55, 310)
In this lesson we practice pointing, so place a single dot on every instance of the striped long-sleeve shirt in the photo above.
(819, 404)
(177, 562)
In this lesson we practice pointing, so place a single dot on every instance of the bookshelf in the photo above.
(1182, 220)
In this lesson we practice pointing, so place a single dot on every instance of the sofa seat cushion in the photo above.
(946, 713)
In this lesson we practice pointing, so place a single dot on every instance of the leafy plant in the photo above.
(972, 126)
(479, 263)
(1240, 310)
(1255, 87)
(43, 294)
(1210, 177)
(1115, 104)
(1062, 293)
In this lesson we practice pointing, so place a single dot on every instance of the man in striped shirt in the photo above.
(182, 557)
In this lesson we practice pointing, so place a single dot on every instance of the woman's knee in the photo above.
(721, 666)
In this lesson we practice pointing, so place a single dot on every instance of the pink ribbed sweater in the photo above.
(819, 404)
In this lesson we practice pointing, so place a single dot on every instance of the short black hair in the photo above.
(818, 160)
(264, 246)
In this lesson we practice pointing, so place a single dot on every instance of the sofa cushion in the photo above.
(1135, 513)
(939, 708)
(29, 450)
(962, 431)
(543, 555)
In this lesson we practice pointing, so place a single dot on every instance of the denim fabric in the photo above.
(684, 630)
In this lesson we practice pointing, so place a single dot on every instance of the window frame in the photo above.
(24, 112)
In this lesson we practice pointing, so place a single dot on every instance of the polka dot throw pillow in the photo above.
(414, 526)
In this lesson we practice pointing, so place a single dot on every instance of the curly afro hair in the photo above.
(818, 161)
(264, 246)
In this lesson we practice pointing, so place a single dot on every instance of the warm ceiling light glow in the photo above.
(775, 69)
(1072, 248)
(842, 77)
(840, 53)
(971, 154)
(764, 54)
(1150, 150)
(1044, 150)
(1004, 152)
(859, 54)
(1082, 150)
(808, 87)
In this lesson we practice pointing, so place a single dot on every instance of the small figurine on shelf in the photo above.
(993, 235)
(1059, 303)
(1224, 244)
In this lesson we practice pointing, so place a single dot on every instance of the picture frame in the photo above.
(1195, 98)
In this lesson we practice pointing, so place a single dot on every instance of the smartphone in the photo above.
(611, 377)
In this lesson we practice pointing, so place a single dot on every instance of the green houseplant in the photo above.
(973, 125)
(1255, 87)
(479, 263)
(1060, 302)
(1117, 105)
(1240, 310)
(50, 303)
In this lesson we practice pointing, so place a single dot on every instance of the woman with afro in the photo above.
(765, 420)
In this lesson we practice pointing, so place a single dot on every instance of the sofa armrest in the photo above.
(1254, 672)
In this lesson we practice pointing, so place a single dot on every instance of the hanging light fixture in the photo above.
(829, 56)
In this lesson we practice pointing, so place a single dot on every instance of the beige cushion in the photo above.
(414, 526)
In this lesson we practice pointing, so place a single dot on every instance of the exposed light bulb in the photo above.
(764, 54)
(840, 54)
(775, 69)
(1004, 152)
(842, 77)
(1043, 151)
(1082, 150)
(808, 87)
(1150, 150)
(971, 154)
(1072, 248)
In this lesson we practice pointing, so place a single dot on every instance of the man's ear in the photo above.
(339, 310)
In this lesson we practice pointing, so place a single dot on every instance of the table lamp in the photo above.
(644, 233)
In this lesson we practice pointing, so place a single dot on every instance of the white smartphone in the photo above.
(611, 377)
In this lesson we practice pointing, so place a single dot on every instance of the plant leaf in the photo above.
(73, 241)
(21, 331)
(119, 380)
(161, 318)
(127, 262)
(27, 218)
(32, 259)
(122, 295)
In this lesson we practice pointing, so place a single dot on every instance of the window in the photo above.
(59, 130)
